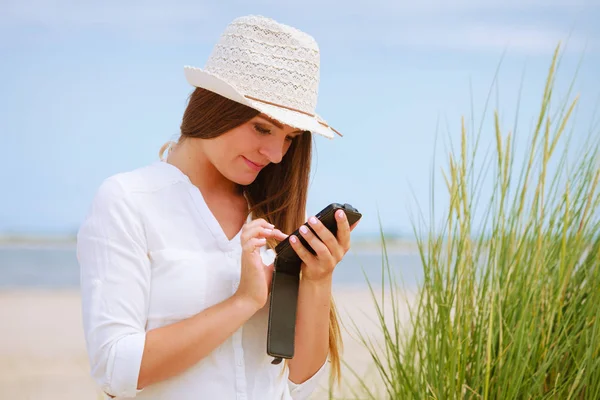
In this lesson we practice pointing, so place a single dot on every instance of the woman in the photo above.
(176, 257)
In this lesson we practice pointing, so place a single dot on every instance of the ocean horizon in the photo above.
(55, 266)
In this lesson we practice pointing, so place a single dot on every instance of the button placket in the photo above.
(235, 265)
(240, 370)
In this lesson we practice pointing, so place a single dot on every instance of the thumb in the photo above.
(269, 273)
(270, 268)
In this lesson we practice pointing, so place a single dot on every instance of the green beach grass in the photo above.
(507, 309)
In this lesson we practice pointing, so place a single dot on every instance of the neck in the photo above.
(190, 159)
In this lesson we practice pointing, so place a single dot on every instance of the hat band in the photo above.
(293, 109)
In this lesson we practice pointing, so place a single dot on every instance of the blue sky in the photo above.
(89, 89)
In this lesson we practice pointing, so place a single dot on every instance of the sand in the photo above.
(42, 349)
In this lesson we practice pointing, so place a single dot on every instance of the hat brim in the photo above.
(203, 79)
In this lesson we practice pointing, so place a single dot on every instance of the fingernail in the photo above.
(303, 229)
(312, 220)
(341, 215)
(293, 239)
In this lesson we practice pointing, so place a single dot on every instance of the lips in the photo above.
(253, 165)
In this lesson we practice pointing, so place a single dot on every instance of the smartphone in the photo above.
(286, 281)
(288, 259)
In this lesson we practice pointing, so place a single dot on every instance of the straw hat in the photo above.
(271, 67)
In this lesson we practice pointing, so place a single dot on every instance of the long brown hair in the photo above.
(279, 192)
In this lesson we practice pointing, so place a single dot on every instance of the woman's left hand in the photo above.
(330, 249)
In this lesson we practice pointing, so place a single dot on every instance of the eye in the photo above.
(261, 130)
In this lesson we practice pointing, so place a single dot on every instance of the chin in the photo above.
(244, 179)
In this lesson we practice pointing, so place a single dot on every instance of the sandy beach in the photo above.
(42, 350)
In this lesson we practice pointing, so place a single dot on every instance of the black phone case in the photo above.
(286, 281)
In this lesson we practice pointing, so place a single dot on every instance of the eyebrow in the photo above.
(278, 124)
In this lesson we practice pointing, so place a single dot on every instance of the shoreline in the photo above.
(358, 245)
(360, 249)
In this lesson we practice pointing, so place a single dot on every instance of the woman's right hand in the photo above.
(256, 277)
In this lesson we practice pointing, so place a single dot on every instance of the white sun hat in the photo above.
(269, 66)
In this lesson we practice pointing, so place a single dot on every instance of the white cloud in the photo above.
(521, 39)
(108, 13)
(427, 7)
(471, 25)
(146, 20)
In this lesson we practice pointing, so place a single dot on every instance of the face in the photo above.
(243, 152)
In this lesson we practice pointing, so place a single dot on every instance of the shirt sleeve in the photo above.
(115, 282)
(302, 391)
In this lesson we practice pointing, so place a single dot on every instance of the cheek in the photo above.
(225, 151)
(218, 152)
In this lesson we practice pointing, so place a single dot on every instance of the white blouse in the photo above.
(152, 253)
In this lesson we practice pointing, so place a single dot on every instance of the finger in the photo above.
(253, 244)
(277, 234)
(318, 246)
(272, 233)
(257, 222)
(343, 233)
(262, 222)
(260, 231)
(299, 248)
(326, 237)
(257, 230)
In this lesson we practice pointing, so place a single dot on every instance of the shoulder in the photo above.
(119, 199)
(146, 179)
(121, 189)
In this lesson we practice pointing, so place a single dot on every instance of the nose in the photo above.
(274, 150)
